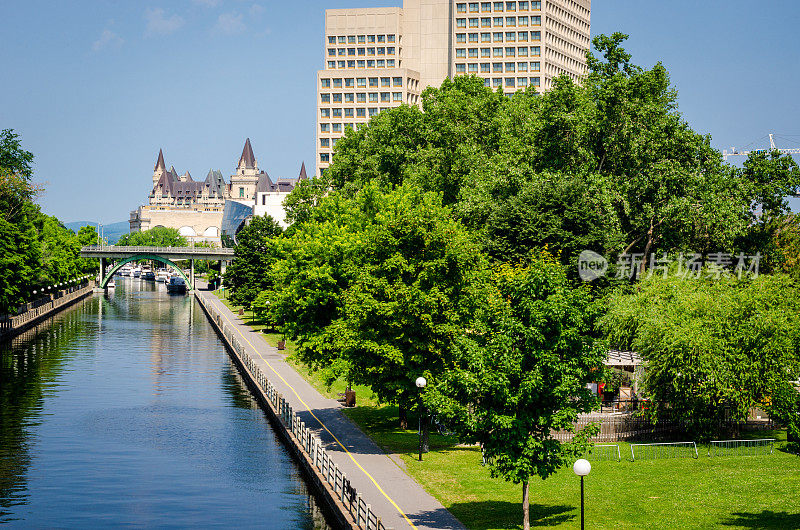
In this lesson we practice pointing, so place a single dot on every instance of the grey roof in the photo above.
(264, 183)
(172, 185)
(160, 161)
(247, 156)
(303, 175)
(623, 358)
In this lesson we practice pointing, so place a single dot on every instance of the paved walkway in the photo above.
(397, 498)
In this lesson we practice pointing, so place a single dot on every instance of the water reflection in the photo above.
(126, 410)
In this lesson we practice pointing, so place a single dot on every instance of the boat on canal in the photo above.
(176, 285)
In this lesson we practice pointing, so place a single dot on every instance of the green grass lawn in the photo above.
(708, 492)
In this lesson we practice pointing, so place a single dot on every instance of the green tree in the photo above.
(713, 347)
(13, 157)
(305, 197)
(249, 273)
(155, 237)
(520, 373)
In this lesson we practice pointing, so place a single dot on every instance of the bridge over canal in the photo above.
(166, 255)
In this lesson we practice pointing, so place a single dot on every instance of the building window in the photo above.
(487, 82)
(348, 82)
(348, 113)
(390, 50)
(389, 38)
(361, 64)
(351, 52)
(536, 21)
(486, 37)
(535, 81)
(473, 53)
(331, 65)
(535, 67)
(486, 7)
(373, 81)
(325, 98)
(536, 5)
(522, 81)
(371, 63)
(326, 83)
(337, 113)
(511, 36)
(461, 37)
(536, 35)
(381, 62)
(510, 82)
(497, 68)
(510, 67)
(361, 97)
(342, 39)
(535, 50)
(473, 7)
(324, 157)
(342, 52)
(337, 82)
(397, 81)
(523, 6)
(497, 52)
(385, 97)
(498, 36)
(485, 68)
(389, 63)
(340, 64)
(370, 38)
(324, 127)
(486, 52)
(373, 97)
(351, 64)
(381, 51)
(381, 38)
(523, 36)
(397, 96)
(337, 98)
(473, 68)
(241, 192)
(461, 52)
(511, 6)
(361, 82)
(522, 67)
(461, 22)
(523, 21)
(511, 21)
(337, 127)
(325, 113)
(386, 81)
(461, 68)
(372, 111)
(461, 8)
(331, 52)
(498, 6)
(497, 81)
(523, 51)
(511, 52)
(473, 37)
(473, 22)
(486, 22)
(351, 39)
(361, 113)
(362, 39)
(331, 40)
(370, 51)
(496, 22)
(349, 98)
(324, 142)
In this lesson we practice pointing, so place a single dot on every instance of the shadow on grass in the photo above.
(767, 519)
(484, 515)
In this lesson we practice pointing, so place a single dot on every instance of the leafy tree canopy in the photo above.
(155, 237)
(12, 156)
(255, 252)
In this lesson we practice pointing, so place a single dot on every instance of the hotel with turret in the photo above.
(378, 58)
(207, 210)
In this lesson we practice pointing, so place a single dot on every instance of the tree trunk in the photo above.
(526, 507)
(403, 413)
(426, 427)
(647, 246)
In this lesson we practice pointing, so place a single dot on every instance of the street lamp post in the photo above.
(582, 468)
(421, 382)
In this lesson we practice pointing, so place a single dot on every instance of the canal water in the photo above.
(126, 410)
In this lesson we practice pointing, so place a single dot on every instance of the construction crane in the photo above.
(734, 152)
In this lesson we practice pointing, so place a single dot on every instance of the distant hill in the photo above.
(111, 231)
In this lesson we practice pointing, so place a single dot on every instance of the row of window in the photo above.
(497, 7)
(359, 39)
(360, 97)
(497, 22)
(498, 36)
(340, 127)
(522, 51)
(361, 82)
(488, 68)
(352, 52)
(370, 63)
(512, 82)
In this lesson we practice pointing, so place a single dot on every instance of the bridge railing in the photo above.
(157, 250)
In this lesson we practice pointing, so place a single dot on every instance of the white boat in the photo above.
(137, 271)
(176, 285)
(125, 270)
(162, 275)
(111, 284)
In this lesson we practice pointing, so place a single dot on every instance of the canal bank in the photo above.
(357, 477)
(43, 308)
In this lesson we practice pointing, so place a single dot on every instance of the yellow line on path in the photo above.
(318, 420)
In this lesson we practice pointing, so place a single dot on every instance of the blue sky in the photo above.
(96, 88)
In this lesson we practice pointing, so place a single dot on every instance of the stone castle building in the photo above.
(197, 208)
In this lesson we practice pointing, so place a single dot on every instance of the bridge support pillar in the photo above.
(222, 265)
(102, 270)
(191, 274)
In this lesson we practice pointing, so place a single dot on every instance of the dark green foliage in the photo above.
(13, 157)
(155, 237)
(255, 252)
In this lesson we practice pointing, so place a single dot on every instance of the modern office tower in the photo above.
(377, 58)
